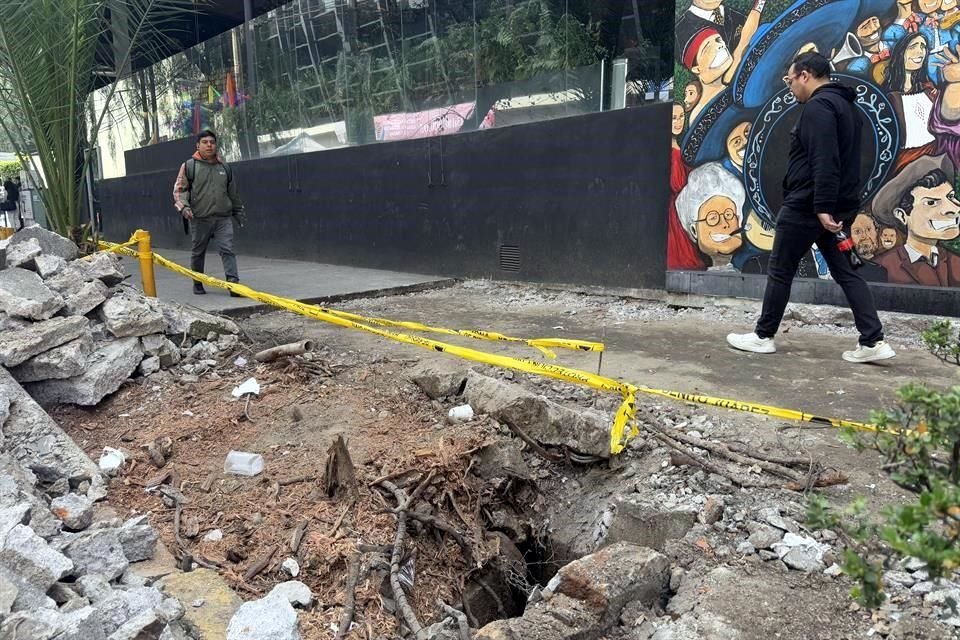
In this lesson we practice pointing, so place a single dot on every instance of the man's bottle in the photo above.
(845, 244)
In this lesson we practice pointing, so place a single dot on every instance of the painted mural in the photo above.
(732, 118)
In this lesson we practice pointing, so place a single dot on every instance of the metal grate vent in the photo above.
(509, 257)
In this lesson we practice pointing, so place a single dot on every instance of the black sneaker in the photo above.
(232, 294)
(198, 289)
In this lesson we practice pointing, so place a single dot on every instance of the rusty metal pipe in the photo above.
(292, 349)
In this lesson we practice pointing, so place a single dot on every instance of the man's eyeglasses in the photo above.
(713, 218)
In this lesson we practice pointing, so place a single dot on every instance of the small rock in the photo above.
(941, 598)
(291, 567)
(215, 535)
(768, 555)
(294, 592)
(922, 588)
(834, 570)
(150, 365)
(196, 604)
(76, 512)
(677, 575)
(914, 564)
(8, 594)
(712, 510)
(745, 548)
(765, 536)
(900, 578)
(106, 268)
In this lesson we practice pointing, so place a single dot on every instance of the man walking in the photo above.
(821, 198)
(206, 195)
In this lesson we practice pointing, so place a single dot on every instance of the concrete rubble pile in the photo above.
(72, 332)
(66, 567)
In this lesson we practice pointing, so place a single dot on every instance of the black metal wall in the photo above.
(581, 200)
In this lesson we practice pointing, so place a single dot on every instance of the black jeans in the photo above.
(795, 237)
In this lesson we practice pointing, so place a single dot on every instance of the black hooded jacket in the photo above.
(823, 175)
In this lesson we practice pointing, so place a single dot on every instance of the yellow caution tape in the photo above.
(109, 247)
(542, 344)
(626, 414)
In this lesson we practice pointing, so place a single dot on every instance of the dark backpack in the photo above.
(191, 170)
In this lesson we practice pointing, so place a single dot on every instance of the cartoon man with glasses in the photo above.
(709, 208)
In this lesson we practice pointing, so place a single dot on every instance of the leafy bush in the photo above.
(919, 441)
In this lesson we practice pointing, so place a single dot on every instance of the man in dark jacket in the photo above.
(205, 194)
(821, 198)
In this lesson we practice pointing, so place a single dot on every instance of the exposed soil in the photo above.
(391, 427)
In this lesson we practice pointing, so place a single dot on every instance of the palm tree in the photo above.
(53, 55)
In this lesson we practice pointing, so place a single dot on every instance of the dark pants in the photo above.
(220, 230)
(794, 238)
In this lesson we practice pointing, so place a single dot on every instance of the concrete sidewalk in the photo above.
(305, 281)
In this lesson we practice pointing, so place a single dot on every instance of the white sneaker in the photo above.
(751, 342)
(879, 351)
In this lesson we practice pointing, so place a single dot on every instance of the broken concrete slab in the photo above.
(271, 618)
(24, 295)
(48, 266)
(139, 539)
(76, 512)
(502, 459)
(149, 366)
(32, 565)
(85, 298)
(180, 320)
(647, 524)
(586, 596)
(37, 442)
(16, 347)
(439, 379)
(12, 516)
(130, 314)
(108, 367)
(220, 601)
(547, 422)
(66, 361)
(147, 625)
(8, 594)
(12, 323)
(4, 409)
(72, 275)
(163, 348)
(94, 552)
(24, 254)
(53, 244)
(160, 565)
(106, 268)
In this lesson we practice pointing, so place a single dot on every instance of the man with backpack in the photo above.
(206, 196)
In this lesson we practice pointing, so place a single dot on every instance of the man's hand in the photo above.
(187, 213)
(829, 223)
(241, 219)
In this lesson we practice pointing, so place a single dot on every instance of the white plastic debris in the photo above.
(213, 536)
(461, 414)
(290, 566)
(249, 386)
(240, 362)
(188, 413)
(111, 459)
(242, 463)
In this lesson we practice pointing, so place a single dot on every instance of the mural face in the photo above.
(739, 97)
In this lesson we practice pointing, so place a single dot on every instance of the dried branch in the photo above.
(350, 599)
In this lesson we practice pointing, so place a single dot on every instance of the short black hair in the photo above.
(813, 63)
(206, 133)
(930, 180)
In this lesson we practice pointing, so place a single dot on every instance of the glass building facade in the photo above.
(321, 74)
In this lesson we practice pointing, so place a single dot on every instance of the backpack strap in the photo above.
(229, 171)
(190, 170)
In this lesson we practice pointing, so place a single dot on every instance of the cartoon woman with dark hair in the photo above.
(912, 95)
(682, 254)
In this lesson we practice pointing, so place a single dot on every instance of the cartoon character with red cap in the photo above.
(703, 36)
